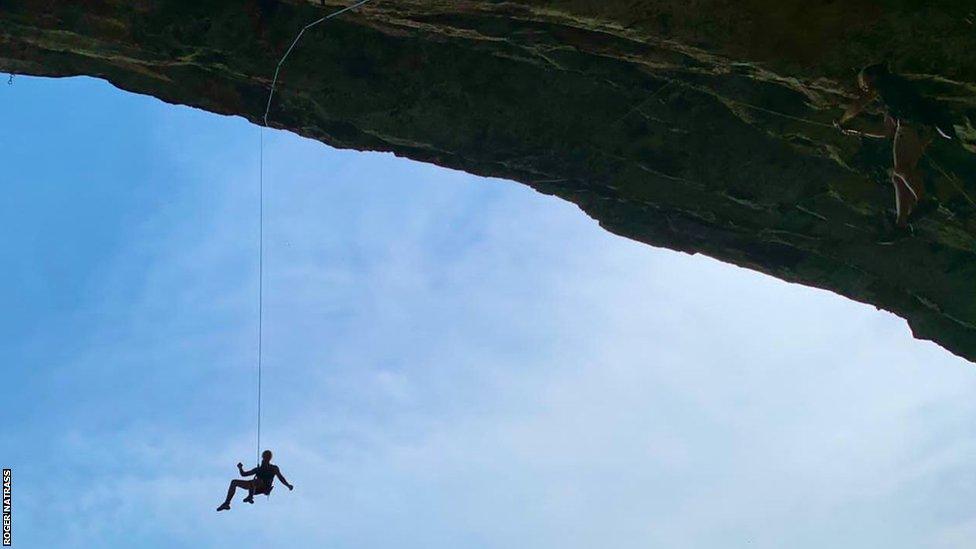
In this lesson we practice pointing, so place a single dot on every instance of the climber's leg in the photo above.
(908, 150)
(234, 485)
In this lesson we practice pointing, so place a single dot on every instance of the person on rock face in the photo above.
(264, 475)
(910, 119)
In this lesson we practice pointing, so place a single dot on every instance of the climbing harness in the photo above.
(267, 109)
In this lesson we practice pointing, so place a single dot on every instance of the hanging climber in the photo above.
(264, 475)
(911, 119)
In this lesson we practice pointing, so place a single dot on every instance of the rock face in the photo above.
(697, 125)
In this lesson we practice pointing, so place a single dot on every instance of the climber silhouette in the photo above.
(264, 475)
(911, 119)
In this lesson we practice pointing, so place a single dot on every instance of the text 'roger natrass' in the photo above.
(7, 497)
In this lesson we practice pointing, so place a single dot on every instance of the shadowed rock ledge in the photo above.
(696, 125)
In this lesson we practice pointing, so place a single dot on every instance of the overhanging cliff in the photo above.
(697, 125)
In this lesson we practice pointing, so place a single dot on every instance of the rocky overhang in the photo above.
(703, 126)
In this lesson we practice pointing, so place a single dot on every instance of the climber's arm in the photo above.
(282, 479)
(864, 133)
(863, 99)
(890, 125)
(240, 469)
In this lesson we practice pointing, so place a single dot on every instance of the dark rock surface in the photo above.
(698, 125)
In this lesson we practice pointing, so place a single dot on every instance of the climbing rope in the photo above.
(267, 109)
(274, 81)
(260, 281)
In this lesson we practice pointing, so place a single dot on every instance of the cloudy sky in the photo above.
(451, 361)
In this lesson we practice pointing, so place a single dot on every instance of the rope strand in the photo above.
(267, 110)
(260, 281)
(274, 81)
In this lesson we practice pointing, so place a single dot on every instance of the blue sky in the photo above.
(451, 361)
